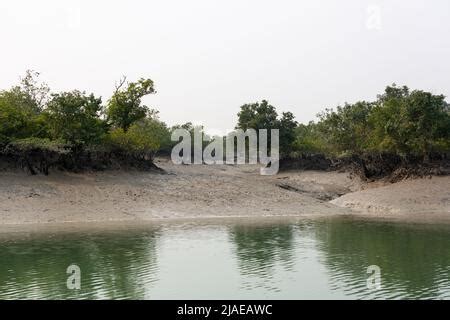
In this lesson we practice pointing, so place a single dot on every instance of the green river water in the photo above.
(305, 259)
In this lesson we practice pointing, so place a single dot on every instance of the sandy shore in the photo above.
(200, 191)
(426, 198)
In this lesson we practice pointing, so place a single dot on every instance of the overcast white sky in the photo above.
(209, 57)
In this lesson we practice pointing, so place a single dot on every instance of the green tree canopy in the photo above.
(346, 128)
(20, 109)
(264, 116)
(144, 138)
(410, 122)
(125, 106)
(257, 116)
(75, 118)
(399, 121)
(287, 126)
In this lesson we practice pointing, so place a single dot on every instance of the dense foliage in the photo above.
(264, 116)
(400, 122)
(32, 118)
(125, 106)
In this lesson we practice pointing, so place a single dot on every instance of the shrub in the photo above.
(143, 139)
(39, 144)
(75, 117)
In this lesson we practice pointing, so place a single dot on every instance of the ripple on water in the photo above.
(311, 259)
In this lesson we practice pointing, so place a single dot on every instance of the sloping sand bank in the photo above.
(200, 191)
(428, 198)
(193, 191)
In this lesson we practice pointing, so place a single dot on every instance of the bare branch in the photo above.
(122, 81)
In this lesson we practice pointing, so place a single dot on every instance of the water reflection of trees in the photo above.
(113, 265)
(259, 249)
(414, 260)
